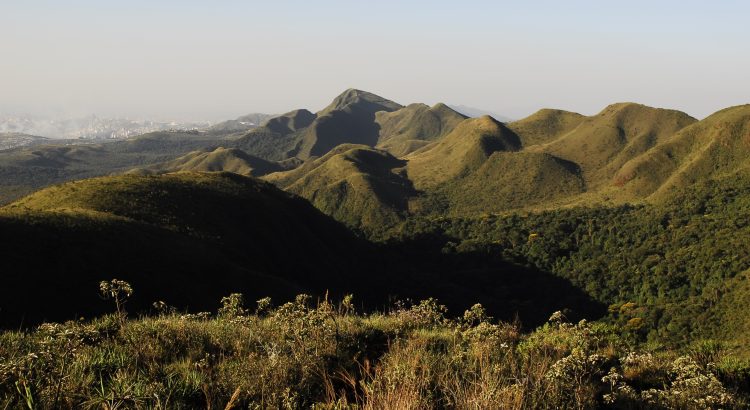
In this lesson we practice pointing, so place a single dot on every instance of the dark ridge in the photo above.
(290, 122)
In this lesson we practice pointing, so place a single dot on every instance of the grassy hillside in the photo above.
(218, 160)
(166, 143)
(512, 180)
(550, 159)
(601, 144)
(474, 169)
(183, 203)
(463, 150)
(279, 138)
(263, 143)
(355, 184)
(714, 147)
(414, 126)
(565, 158)
(53, 156)
(545, 125)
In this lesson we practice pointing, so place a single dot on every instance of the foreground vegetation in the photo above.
(321, 355)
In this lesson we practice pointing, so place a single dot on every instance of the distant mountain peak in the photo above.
(442, 106)
(638, 109)
(487, 121)
(477, 112)
(551, 111)
(354, 96)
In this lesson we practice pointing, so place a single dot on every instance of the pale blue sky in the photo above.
(221, 59)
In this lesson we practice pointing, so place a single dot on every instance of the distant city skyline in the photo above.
(196, 61)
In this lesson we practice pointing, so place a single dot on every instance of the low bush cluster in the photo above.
(305, 354)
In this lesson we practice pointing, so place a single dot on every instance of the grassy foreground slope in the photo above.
(303, 355)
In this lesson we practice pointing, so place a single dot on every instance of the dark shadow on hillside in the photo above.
(290, 122)
(356, 126)
(53, 275)
(204, 243)
(392, 186)
(507, 290)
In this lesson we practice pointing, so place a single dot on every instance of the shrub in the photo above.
(301, 355)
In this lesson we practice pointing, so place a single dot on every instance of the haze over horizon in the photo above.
(193, 60)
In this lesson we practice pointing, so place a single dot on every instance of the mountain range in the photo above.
(451, 163)
(369, 162)
(631, 205)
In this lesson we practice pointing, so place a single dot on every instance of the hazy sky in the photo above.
(220, 59)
